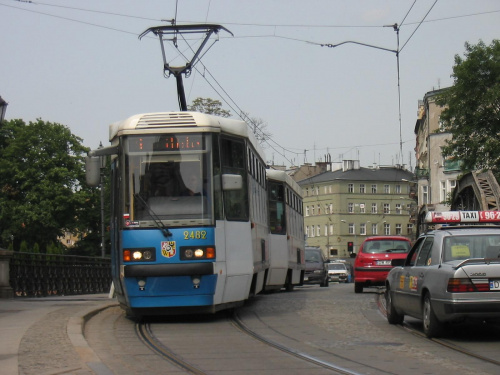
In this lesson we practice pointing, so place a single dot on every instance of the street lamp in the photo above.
(3, 109)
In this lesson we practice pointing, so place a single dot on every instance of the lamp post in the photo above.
(3, 109)
(103, 164)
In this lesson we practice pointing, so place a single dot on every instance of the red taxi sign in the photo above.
(463, 217)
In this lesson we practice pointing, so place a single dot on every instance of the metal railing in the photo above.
(41, 275)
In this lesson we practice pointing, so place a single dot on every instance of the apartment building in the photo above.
(347, 203)
(436, 176)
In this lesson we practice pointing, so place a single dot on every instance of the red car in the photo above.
(373, 261)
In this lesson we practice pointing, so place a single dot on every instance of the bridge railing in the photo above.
(41, 275)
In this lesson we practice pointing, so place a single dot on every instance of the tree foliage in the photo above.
(42, 183)
(208, 106)
(472, 108)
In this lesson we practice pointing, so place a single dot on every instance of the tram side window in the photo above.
(233, 162)
(277, 208)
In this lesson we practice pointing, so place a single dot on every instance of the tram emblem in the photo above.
(168, 249)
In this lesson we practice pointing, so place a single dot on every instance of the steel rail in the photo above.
(438, 341)
(143, 331)
(238, 323)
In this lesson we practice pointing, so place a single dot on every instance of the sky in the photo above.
(81, 64)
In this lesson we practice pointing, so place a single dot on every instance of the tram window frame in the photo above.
(236, 202)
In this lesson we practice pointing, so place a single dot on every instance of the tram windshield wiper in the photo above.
(155, 217)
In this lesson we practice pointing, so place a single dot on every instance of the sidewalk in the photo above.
(44, 335)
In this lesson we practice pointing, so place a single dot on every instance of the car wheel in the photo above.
(358, 288)
(324, 283)
(432, 326)
(393, 317)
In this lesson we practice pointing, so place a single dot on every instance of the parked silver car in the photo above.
(451, 274)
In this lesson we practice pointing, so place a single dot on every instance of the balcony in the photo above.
(421, 173)
(452, 166)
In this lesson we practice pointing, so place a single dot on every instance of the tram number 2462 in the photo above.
(195, 235)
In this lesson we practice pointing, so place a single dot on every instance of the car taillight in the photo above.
(468, 285)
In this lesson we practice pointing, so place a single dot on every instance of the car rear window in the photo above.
(386, 246)
(473, 246)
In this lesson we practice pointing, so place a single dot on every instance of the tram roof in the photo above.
(150, 122)
(277, 175)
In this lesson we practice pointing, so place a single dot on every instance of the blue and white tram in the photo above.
(286, 238)
(189, 228)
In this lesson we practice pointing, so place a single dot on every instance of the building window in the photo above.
(387, 189)
(326, 189)
(352, 228)
(374, 189)
(326, 230)
(362, 229)
(331, 229)
(327, 211)
(319, 210)
(374, 229)
(398, 189)
(443, 191)
(331, 208)
(398, 209)
(374, 208)
(307, 210)
(334, 252)
(387, 229)
(312, 211)
(409, 228)
(350, 208)
(398, 230)
(361, 188)
(317, 190)
(307, 191)
(361, 208)
(425, 194)
(318, 230)
(350, 188)
(307, 230)
(387, 208)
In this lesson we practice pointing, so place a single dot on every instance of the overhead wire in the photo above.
(241, 24)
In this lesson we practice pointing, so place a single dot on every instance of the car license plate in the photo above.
(494, 284)
(383, 262)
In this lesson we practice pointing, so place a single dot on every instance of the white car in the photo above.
(337, 271)
(451, 274)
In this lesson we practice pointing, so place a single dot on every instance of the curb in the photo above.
(75, 330)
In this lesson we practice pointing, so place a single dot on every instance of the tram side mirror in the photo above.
(93, 170)
(232, 182)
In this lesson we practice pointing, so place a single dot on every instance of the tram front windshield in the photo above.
(167, 179)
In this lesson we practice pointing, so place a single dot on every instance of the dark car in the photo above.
(373, 261)
(316, 267)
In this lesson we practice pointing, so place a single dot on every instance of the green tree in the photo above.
(208, 106)
(472, 108)
(42, 181)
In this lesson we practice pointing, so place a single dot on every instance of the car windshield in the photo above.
(472, 246)
(313, 256)
(336, 266)
(386, 246)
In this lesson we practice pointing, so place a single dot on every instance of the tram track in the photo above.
(447, 343)
(145, 332)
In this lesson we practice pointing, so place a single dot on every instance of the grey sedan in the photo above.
(450, 275)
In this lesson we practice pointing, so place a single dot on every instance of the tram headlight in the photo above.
(143, 254)
(197, 252)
